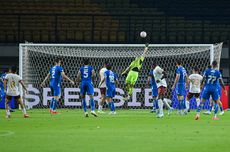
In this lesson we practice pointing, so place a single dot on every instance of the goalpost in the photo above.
(35, 61)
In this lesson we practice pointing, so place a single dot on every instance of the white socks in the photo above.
(24, 111)
(187, 105)
(198, 102)
(160, 104)
(167, 104)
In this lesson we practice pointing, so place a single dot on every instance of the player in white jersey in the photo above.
(12, 84)
(160, 76)
(102, 88)
(194, 83)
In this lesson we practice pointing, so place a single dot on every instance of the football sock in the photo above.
(110, 106)
(215, 109)
(84, 105)
(160, 103)
(221, 108)
(187, 105)
(199, 107)
(54, 105)
(198, 102)
(113, 106)
(92, 104)
(51, 104)
(155, 104)
(24, 110)
(210, 108)
(167, 104)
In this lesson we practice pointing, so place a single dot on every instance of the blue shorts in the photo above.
(210, 91)
(110, 92)
(55, 91)
(154, 91)
(86, 87)
(180, 89)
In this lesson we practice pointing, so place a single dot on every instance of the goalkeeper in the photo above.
(133, 70)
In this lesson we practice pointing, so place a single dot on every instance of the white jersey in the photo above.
(195, 82)
(158, 73)
(102, 76)
(13, 85)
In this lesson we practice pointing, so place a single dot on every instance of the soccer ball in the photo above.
(143, 34)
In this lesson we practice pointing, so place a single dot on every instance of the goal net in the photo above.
(36, 60)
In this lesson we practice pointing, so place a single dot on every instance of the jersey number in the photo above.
(86, 74)
(53, 73)
(111, 78)
(211, 79)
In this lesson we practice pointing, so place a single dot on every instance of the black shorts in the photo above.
(103, 90)
(190, 95)
(9, 98)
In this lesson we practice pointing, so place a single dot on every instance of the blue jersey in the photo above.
(56, 77)
(2, 81)
(153, 84)
(182, 72)
(212, 77)
(153, 81)
(110, 78)
(86, 73)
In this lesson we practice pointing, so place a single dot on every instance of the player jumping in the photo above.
(86, 75)
(102, 88)
(179, 84)
(11, 84)
(194, 82)
(160, 76)
(55, 74)
(110, 78)
(211, 78)
(133, 71)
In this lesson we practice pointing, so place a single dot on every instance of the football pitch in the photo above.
(128, 131)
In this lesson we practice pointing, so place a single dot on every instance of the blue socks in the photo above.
(181, 104)
(155, 104)
(210, 108)
(53, 104)
(112, 106)
(221, 108)
(216, 108)
(199, 107)
(92, 104)
(84, 105)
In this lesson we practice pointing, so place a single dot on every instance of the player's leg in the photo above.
(210, 107)
(102, 100)
(205, 96)
(220, 103)
(90, 92)
(19, 100)
(216, 99)
(111, 93)
(56, 96)
(188, 98)
(130, 81)
(161, 95)
(7, 100)
(83, 93)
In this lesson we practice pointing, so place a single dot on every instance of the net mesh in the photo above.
(37, 59)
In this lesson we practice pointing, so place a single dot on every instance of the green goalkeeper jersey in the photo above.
(137, 63)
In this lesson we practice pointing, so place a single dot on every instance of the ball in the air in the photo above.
(143, 34)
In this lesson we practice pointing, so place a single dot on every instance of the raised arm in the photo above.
(78, 76)
(46, 78)
(145, 50)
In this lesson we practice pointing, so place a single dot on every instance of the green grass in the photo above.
(128, 131)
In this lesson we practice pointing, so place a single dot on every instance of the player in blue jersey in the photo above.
(55, 74)
(86, 74)
(211, 78)
(211, 104)
(158, 104)
(179, 84)
(111, 79)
